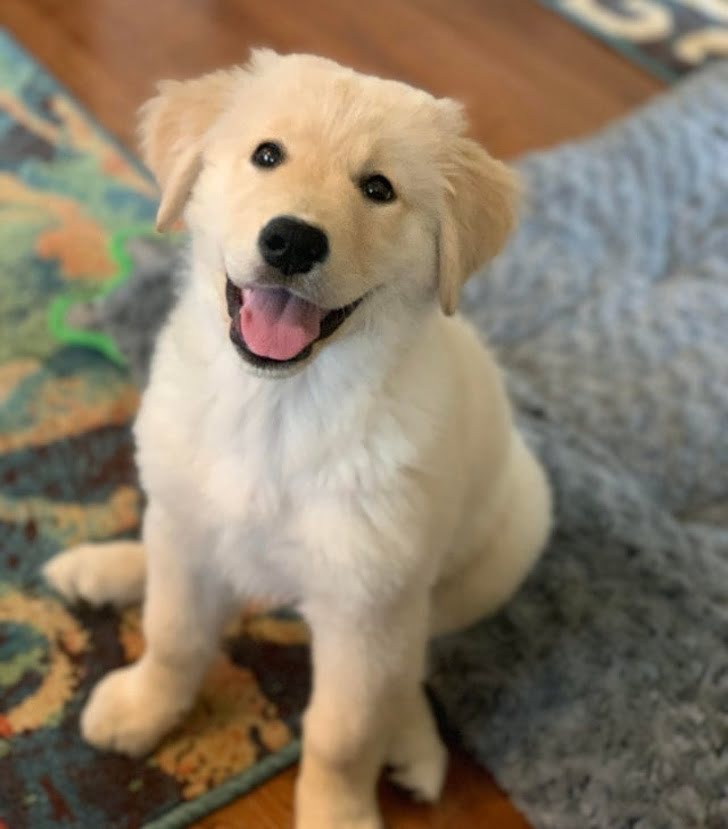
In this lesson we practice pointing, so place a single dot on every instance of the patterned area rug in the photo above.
(69, 200)
(667, 37)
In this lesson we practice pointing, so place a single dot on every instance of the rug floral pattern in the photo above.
(67, 475)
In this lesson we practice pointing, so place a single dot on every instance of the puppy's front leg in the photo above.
(132, 708)
(367, 666)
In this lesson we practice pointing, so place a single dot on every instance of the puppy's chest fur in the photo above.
(281, 485)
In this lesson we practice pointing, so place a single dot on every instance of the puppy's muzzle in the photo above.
(292, 246)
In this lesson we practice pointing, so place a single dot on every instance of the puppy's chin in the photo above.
(275, 373)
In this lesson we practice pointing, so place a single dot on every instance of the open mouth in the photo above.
(273, 328)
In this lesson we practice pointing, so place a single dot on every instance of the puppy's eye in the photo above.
(268, 154)
(378, 188)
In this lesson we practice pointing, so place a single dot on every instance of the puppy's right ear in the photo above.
(172, 128)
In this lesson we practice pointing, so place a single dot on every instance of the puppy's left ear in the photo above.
(172, 128)
(479, 211)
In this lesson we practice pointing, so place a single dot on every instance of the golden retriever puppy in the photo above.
(319, 429)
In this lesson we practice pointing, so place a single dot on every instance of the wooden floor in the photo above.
(529, 80)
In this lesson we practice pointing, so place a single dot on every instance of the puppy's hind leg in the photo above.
(417, 758)
(111, 573)
(514, 543)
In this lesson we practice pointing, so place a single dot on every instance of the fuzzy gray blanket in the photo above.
(599, 697)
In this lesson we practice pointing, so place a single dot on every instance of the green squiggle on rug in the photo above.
(59, 308)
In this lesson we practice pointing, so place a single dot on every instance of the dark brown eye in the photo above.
(378, 188)
(268, 154)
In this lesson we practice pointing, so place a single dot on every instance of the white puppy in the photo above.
(316, 430)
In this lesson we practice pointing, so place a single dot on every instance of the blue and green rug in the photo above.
(667, 37)
(73, 207)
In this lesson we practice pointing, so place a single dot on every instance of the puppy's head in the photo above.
(314, 193)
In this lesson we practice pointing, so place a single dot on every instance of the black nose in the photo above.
(292, 246)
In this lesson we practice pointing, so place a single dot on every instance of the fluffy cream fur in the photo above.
(381, 486)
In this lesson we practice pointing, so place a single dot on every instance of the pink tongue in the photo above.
(277, 324)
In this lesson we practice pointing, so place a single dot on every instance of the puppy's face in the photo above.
(324, 197)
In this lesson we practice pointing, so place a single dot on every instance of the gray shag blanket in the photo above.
(599, 696)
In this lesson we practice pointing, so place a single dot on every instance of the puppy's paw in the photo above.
(418, 764)
(126, 714)
(99, 573)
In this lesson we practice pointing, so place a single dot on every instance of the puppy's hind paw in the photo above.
(423, 779)
(420, 769)
(99, 574)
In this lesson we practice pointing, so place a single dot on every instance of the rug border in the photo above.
(623, 47)
(186, 812)
(234, 787)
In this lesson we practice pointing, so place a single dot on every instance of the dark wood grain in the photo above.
(528, 78)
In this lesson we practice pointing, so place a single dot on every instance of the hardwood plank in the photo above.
(471, 801)
(528, 78)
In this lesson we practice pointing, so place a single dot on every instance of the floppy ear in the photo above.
(172, 128)
(478, 213)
